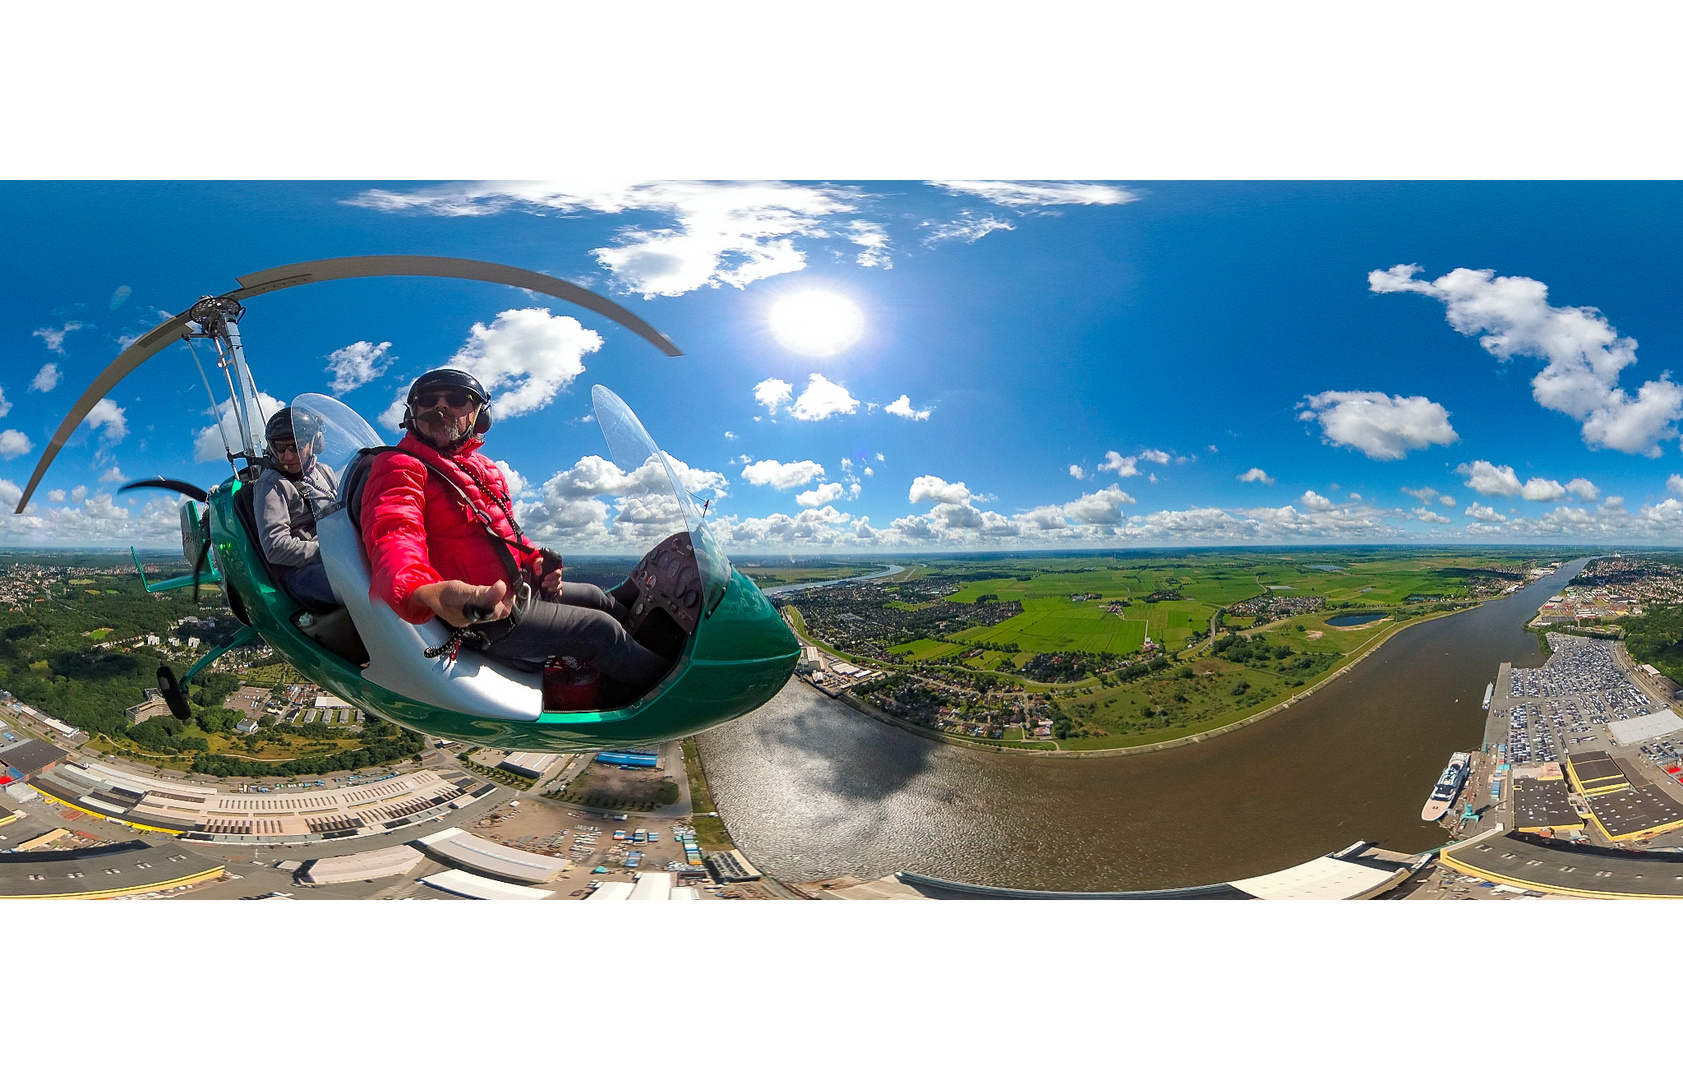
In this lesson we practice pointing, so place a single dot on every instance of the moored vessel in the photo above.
(1448, 786)
(1489, 692)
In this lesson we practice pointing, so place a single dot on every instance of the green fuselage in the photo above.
(741, 655)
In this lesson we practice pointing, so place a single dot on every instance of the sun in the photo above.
(816, 323)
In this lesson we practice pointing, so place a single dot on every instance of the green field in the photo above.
(1061, 626)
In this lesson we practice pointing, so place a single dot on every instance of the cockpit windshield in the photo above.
(632, 449)
(333, 433)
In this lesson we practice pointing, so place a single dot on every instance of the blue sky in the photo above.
(1037, 364)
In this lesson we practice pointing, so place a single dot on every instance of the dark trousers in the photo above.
(584, 622)
(308, 584)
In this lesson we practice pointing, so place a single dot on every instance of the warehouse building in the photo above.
(1544, 805)
(529, 765)
(362, 866)
(475, 887)
(29, 758)
(457, 847)
(1595, 772)
(91, 873)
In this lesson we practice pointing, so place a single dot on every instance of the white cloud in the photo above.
(516, 483)
(1252, 475)
(935, 489)
(47, 378)
(78, 493)
(1674, 484)
(1424, 494)
(781, 476)
(730, 435)
(113, 475)
(1099, 508)
(966, 227)
(730, 233)
(523, 359)
(773, 392)
(1077, 472)
(208, 443)
(902, 406)
(1538, 489)
(1491, 480)
(595, 505)
(1312, 501)
(821, 399)
(1432, 516)
(1156, 457)
(55, 495)
(14, 443)
(1384, 428)
(1582, 351)
(5, 406)
(818, 496)
(1116, 463)
(1038, 194)
(119, 296)
(107, 417)
(874, 239)
(55, 338)
(357, 364)
(1483, 513)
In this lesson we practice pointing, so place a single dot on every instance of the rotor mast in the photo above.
(217, 318)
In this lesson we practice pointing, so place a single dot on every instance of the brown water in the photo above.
(810, 788)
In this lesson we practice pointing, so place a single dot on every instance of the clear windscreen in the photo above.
(330, 433)
(632, 449)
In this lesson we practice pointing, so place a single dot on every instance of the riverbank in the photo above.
(1325, 680)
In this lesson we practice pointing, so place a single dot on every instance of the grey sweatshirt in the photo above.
(285, 524)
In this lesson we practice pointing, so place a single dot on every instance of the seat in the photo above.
(245, 507)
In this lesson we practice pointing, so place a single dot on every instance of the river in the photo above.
(811, 788)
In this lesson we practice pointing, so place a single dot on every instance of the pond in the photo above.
(1356, 620)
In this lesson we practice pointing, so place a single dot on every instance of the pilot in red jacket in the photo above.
(434, 554)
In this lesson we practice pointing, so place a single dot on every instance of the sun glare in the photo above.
(816, 323)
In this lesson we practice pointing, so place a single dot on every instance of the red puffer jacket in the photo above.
(417, 531)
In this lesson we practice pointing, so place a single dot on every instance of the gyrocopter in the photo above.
(729, 650)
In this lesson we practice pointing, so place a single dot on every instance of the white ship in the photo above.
(1449, 786)
(1489, 692)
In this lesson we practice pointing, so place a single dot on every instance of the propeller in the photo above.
(180, 487)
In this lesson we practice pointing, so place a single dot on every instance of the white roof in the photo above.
(1324, 878)
(458, 846)
(475, 887)
(612, 890)
(653, 885)
(381, 862)
(1642, 728)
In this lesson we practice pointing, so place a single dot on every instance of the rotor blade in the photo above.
(180, 487)
(355, 266)
(152, 342)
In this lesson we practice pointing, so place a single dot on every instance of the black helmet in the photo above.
(450, 379)
(280, 427)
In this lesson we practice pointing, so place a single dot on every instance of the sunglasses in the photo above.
(456, 399)
(284, 447)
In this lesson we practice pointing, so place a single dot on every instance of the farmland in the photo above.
(1106, 650)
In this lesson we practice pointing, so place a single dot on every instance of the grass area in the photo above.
(710, 832)
(925, 649)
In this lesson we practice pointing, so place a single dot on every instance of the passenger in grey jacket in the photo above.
(286, 526)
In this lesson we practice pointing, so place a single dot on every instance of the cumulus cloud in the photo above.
(782, 476)
(55, 337)
(1384, 428)
(107, 418)
(1252, 475)
(1483, 513)
(727, 233)
(113, 475)
(1582, 352)
(523, 359)
(5, 406)
(358, 364)
(1432, 516)
(1033, 194)
(119, 296)
(596, 505)
(14, 443)
(818, 496)
(1424, 494)
(1501, 481)
(1674, 484)
(1098, 508)
(902, 406)
(1312, 501)
(78, 493)
(47, 378)
(210, 443)
(773, 392)
(1156, 457)
(935, 489)
(55, 495)
(1077, 472)
(822, 399)
(516, 483)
